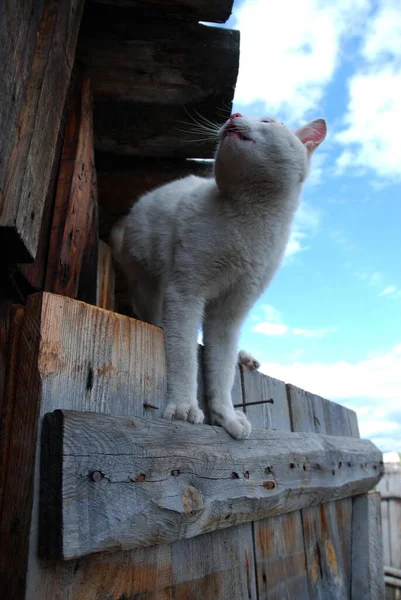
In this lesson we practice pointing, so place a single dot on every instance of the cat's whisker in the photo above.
(203, 120)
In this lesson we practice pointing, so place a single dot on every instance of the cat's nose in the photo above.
(235, 115)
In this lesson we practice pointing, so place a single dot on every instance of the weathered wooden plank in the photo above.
(18, 32)
(11, 317)
(105, 278)
(76, 356)
(394, 512)
(217, 11)
(192, 479)
(367, 549)
(88, 276)
(141, 69)
(75, 204)
(32, 150)
(386, 531)
(392, 571)
(215, 565)
(279, 545)
(219, 564)
(327, 530)
(123, 179)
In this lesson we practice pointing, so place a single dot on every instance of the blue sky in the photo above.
(330, 320)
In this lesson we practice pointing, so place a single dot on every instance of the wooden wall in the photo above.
(390, 490)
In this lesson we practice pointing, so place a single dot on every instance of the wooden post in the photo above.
(367, 548)
(45, 35)
(76, 356)
(75, 209)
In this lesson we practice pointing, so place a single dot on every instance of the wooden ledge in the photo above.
(112, 482)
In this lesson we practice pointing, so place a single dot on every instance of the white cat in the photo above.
(203, 250)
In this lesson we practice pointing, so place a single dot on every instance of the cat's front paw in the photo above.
(233, 421)
(183, 412)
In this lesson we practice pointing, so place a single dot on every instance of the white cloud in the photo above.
(306, 224)
(392, 291)
(316, 334)
(272, 324)
(370, 135)
(270, 328)
(289, 51)
(371, 386)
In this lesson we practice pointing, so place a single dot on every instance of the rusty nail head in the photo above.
(140, 478)
(96, 476)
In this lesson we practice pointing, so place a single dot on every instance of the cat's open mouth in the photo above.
(232, 130)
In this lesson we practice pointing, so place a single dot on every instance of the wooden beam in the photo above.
(33, 133)
(75, 209)
(367, 548)
(215, 11)
(151, 80)
(129, 483)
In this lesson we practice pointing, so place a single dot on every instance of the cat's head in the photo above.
(265, 149)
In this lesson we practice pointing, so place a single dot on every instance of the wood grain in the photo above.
(327, 529)
(217, 11)
(141, 69)
(105, 277)
(219, 564)
(160, 481)
(75, 213)
(279, 545)
(76, 356)
(32, 150)
(367, 548)
(18, 31)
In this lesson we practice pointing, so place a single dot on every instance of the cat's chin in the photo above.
(238, 135)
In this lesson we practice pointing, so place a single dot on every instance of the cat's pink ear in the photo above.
(312, 134)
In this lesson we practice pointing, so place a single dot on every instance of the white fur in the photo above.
(203, 250)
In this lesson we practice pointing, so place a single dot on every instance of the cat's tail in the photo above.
(116, 238)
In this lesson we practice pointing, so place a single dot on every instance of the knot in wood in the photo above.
(192, 500)
(269, 484)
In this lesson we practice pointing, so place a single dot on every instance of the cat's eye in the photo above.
(267, 120)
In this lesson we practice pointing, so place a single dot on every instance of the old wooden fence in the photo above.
(390, 490)
(99, 498)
